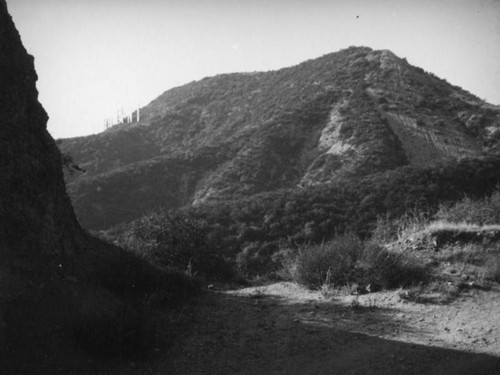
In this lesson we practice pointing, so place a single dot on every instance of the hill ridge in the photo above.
(345, 114)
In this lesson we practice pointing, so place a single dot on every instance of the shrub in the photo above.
(391, 269)
(347, 260)
(481, 211)
(334, 260)
(170, 239)
(390, 229)
(176, 241)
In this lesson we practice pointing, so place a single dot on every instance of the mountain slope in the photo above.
(350, 113)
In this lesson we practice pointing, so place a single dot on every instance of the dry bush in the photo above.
(479, 212)
(334, 259)
(348, 260)
(392, 229)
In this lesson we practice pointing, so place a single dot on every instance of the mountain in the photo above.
(347, 114)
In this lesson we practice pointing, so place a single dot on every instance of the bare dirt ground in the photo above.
(285, 329)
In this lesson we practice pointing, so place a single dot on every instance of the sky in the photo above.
(95, 57)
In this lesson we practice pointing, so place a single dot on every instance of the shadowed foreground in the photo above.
(268, 334)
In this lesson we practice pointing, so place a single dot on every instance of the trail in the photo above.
(285, 329)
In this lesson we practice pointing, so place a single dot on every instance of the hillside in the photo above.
(347, 114)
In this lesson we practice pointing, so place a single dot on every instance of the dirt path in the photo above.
(284, 329)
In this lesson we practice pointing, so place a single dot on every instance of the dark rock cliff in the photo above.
(38, 228)
(36, 215)
(65, 297)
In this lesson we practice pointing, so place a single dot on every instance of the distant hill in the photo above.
(347, 114)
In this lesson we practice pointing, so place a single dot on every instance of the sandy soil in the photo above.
(285, 329)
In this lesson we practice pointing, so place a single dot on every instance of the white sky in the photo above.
(94, 57)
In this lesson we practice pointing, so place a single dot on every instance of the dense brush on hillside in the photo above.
(248, 233)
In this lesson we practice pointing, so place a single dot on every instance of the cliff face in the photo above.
(35, 213)
(63, 294)
(38, 228)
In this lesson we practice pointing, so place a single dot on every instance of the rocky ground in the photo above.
(284, 329)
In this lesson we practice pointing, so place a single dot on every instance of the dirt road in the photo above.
(284, 329)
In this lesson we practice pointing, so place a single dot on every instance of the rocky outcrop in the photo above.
(64, 296)
(38, 228)
(36, 216)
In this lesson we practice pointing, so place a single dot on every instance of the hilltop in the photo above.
(347, 114)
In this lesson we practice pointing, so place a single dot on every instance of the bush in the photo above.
(391, 269)
(334, 260)
(390, 229)
(167, 238)
(480, 212)
(347, 260)
(176, 241)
